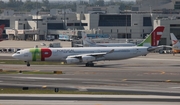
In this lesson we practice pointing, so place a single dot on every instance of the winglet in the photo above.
(154, 37)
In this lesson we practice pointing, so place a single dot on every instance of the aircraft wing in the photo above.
(92, 54)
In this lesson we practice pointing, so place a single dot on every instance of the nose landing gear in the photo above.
(27, 63)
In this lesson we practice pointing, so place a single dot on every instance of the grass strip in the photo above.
(173, 81)
(51, 91)
(24, 72)
(33, 63)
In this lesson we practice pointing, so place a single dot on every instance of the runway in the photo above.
(64, 99)
(6, 56)
(107, 98)
(154, 74)
(44, 102)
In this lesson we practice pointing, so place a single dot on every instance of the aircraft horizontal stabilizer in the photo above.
(156, 48)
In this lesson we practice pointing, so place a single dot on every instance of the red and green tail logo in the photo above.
(153, 38)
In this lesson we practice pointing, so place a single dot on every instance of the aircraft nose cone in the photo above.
(14, 56)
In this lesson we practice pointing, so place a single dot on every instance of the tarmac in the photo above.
(69, 99)
(31, 44)
(154, 74)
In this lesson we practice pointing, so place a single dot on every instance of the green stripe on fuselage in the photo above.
(36, 54)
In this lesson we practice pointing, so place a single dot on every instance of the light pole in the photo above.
(36, 36)
(126, 25)
(37, 19)
(73, 27)
(15, 33)
(151, 14)
(37, 12)
(64, 17)
(99, 30)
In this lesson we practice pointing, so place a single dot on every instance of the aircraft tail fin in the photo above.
(1, 31)
(154, 37)
(87, 41)
(174, 40)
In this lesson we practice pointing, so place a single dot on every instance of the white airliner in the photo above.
(175, 43)
(1, 31)
(87, 42)
(89, 55)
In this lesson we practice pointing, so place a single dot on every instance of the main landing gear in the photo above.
(27, 63)
(90, 64)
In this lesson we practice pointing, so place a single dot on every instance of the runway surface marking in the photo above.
(162, 72)
(155, 59)
(175, 87)
(63, 102)
(45, 78)
(92, 96)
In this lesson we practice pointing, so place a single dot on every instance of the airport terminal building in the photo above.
(131, 24)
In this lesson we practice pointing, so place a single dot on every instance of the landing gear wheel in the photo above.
(89, 64)
(28, 64)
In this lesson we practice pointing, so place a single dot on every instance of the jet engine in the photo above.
(72, 60)
(86, 59)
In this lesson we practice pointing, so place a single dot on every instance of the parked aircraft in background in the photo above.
(175, 43)
(87, 42)
(88, 55)
(1, 31)
(150, 40)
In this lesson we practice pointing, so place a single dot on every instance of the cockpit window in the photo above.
(17, 52)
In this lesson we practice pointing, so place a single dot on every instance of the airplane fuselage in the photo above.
(60, 54)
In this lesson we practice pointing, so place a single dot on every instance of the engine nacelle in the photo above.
(72, 60)
(86, 59)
